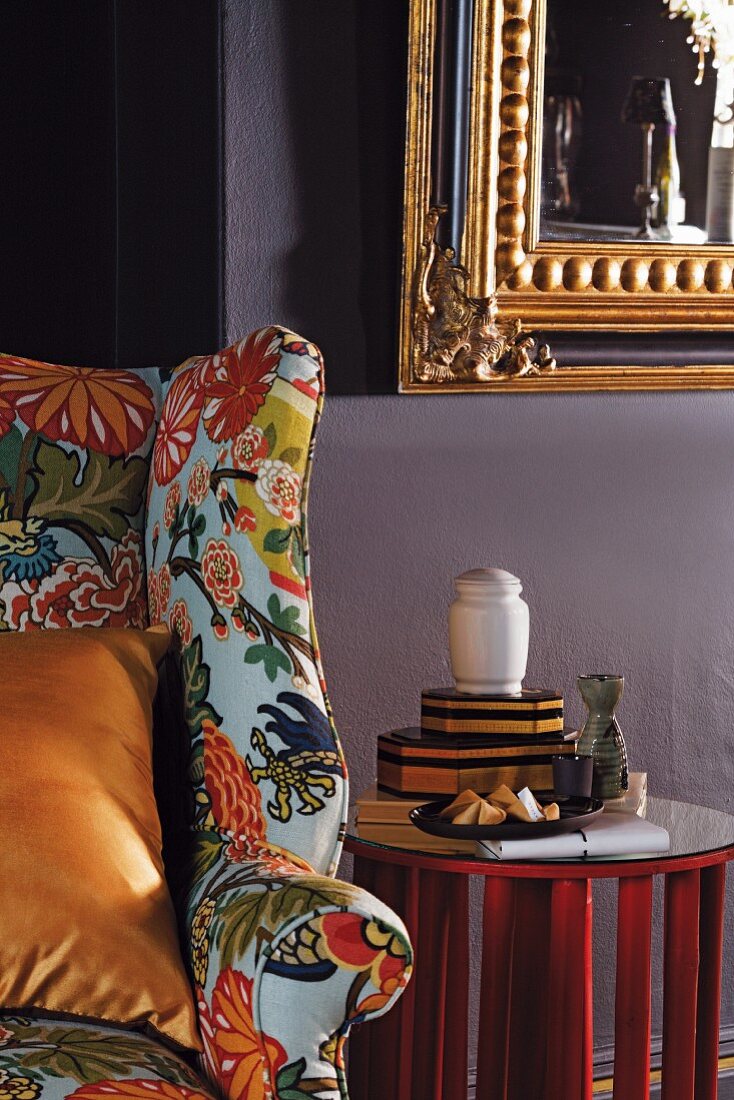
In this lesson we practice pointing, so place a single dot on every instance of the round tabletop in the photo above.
(699, 837)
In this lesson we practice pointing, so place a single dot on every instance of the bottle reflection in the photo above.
(562, 129)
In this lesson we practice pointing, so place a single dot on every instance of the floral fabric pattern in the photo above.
(177, 429)
(238, 381)
(227, 563)
(74, 446)
(101, 410)
(50, 1060)
(283, 958)
(235, 799)
(234, 1051)
(269, 940)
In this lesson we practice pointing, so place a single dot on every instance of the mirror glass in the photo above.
(636, 93)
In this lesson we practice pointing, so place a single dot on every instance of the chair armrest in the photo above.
(284, 961)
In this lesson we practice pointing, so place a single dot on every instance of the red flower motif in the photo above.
(179, 423)
(221, 573)
(235, 799)
(220, 628)
(238, 381)
(249, 449)
(104, 410)
(356, 943)
(244, 520)
(276, 860)
(173, 499)
(164, 588)
(198, 486)
(79, 593)
(245, 1060)
(138, 1089)
(345, 940)
(180, 622)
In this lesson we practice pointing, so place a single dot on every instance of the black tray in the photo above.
(575, 814)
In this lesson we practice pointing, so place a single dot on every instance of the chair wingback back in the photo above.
(227, 558)
(74, 451)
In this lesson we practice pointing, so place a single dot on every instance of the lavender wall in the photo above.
(616, 511)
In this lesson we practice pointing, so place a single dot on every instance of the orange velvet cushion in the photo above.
(86, 922)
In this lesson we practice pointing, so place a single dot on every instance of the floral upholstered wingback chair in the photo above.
(283, 958)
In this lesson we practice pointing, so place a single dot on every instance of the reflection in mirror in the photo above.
(631, 108)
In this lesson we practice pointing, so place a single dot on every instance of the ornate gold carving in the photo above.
(457, 338)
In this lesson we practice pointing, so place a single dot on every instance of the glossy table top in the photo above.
(695, 832)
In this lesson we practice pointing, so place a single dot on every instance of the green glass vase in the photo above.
(601, 737)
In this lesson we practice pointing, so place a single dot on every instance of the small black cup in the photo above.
(572, 776)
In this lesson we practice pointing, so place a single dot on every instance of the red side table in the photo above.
(535, 1018)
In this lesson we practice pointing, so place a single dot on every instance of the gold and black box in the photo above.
(451, 713)
(411, 762)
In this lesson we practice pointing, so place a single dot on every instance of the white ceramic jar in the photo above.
(489, 633)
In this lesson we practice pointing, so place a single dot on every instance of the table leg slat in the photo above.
(432, 960)
(710, 942)
(495, 1006)
(680, 984)
(632, 1018)
(528, 1010)
(568, 987)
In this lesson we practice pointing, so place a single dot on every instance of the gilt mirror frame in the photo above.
(483, 320)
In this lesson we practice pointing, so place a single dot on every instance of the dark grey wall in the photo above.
(616, 511)
(314, 95)
(110, 208)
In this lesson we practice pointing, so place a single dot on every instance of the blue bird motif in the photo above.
(309, 762)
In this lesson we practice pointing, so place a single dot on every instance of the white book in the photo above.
(610, 835)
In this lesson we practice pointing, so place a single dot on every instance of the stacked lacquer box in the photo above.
(477, 741)
(463, 741)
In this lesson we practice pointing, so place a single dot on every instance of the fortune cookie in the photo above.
(469, 815)
(523, 806)
(479, 813)
(504, 799)
(468, 808)
(490, 815)
(502, 796)
(461, 802)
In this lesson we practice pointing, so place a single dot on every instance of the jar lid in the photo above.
(487, 576)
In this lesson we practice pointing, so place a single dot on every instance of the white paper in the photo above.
(527, 798)
(610, 835)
